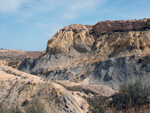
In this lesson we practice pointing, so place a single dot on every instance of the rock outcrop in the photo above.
(67, 46)
(82, 53)
(71, 37)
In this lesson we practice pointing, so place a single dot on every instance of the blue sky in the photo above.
(29, 24)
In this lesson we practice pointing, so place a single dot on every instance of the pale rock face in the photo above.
(123, 44)
(75, 36)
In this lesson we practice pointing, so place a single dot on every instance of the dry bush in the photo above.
(132, 98)
(97, 104)
(131, 95)
(35, 107)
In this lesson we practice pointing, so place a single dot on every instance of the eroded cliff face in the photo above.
(76, 51)
(69, 45)
(107, 38)
(76, 36)
(121, 44)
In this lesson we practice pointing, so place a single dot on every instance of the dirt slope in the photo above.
(17, 88)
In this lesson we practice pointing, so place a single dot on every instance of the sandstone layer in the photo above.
(128, 25)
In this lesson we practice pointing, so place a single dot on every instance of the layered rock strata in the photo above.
(77, 46)
(128, 25)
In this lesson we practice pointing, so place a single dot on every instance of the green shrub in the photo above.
(35, 107)
(131, 95)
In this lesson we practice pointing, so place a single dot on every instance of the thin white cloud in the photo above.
(66, 9)
(42, 13)
(10, 6)
(47, 13)
(78, 7)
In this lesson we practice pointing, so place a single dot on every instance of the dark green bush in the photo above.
(131, 95)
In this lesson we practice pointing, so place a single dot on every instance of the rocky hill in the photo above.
(21, 90)
(109, 52)
(13, 57)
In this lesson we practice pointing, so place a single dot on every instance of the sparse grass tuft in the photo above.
(15, 109)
